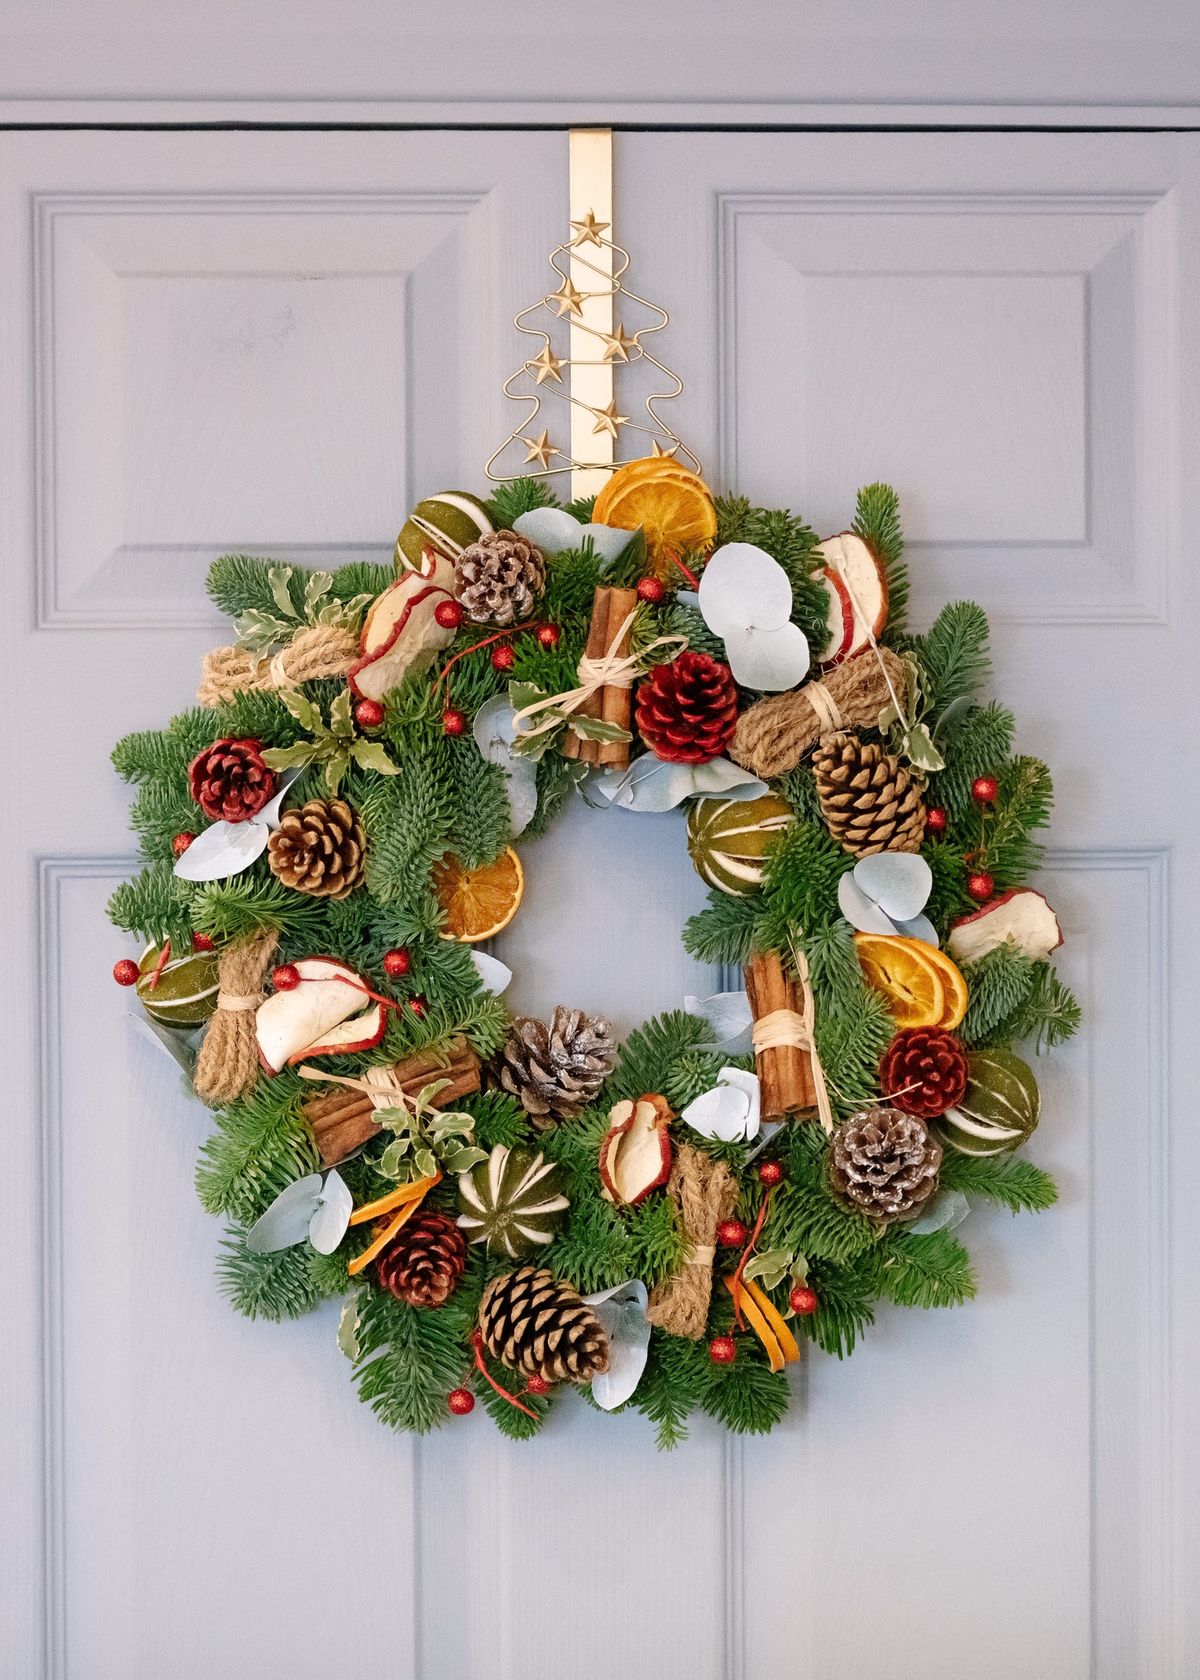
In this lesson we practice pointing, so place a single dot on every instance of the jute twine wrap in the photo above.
(228, 1062)
(322, 650)
(704, 1192)
(773, 735)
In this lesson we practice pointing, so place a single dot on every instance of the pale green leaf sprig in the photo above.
(541, 737)
(333, 746)
(427, 1139)
(774, 1266)
(908, 735)
(259, 631)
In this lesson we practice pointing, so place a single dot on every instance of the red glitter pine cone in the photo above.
(687, 710)
(932, 1062)
(229, 780)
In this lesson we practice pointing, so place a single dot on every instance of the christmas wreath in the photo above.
(510, 1206)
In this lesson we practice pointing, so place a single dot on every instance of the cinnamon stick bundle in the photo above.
(783, 1060)
(613, 703)
(344, 1120)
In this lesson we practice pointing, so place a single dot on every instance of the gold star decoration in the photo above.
(656, 448)
(617, 345)
(546, 366)
(540, 449)
(607, 419)
(589, 230)
(568, 299)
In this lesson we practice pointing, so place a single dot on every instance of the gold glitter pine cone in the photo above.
(319, 848)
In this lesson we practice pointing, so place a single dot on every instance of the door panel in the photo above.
(274, 342)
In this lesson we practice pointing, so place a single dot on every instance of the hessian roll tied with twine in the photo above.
(611, 670)
(321, 650)
(704, 1192)
(773, 735)
(227, 1065)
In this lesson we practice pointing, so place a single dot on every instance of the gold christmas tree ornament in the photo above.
(580, 340)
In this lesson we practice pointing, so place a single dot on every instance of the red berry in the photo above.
(651, 589)
(453, 723)
(722, 1350)
(397, 961)
(203, 942)
(126, 972)
(770, 1173)
(981, 886)
(286, 977)
(935, 819)
(984, 790)
(417, 1005)
(460, 1401)
(548, 635)
(804, 1300)
(537, 1385)
(502, 657)
(449, 614)
(368, 714)
(181, 843)
(731, 1233)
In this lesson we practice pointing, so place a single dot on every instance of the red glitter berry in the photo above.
(936, 819)
(502, 657)
(984, 790)
(548, 635)
(397, 961)
(537, 1384)
(368, 714)
(203, 942)
(731, 1233)
(651, 589)
(449, 614)
(286, 977)
(126, 972)
(722, 1350)
(803, 1300)
(181, 842)
(770, 1173)
(417, 1005)
(460, 1401)
(981, 886)
(453, 722)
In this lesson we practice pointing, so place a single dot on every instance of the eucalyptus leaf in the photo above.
(954, 711)
(772, 1266)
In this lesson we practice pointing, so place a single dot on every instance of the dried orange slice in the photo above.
(899, 968)
(672, 505)
(478, 902)
(955, 1005)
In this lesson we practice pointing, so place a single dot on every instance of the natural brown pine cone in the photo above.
(424, 1261)
(500, 578)
(319, 848)
(557, 1069)
(884, 1163)
(534, 1322)
(230, 781)
(869, 800)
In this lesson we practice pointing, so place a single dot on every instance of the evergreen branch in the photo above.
(877, 522)
(516, 496)
(155, 905)
(1048, 1015)
(254, 902)
(997, 986)
(409, 1358)
(669, 1385)
(1009, 1180)
(722, 934)
(482, 821)
(260, 1145)
(270, 1286)
(239, 583)
(928, 1270)
(953, 655)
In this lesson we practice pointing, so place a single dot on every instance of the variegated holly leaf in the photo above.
(372, 755)
(306, 713)
(596, 729)
(257, 631)
(280, 579)
(916, 744)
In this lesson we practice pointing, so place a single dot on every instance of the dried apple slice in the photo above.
(290, 1023)
(858, 568)
(1021, 916)
(635, 1152)
(401, 632)
(841, 621)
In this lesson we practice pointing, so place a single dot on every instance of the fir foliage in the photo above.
(997, 986)
(1047, 1016)
(409, 1359)
(259, 1146)
(953, 655)
(877, 521)
(929, 1270)
(270, 1286)
(1008, 1180)
(510, 500)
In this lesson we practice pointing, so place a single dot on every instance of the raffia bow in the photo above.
(611, 670)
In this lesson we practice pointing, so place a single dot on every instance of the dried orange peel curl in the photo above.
(402, 1204)
(765, 1319)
